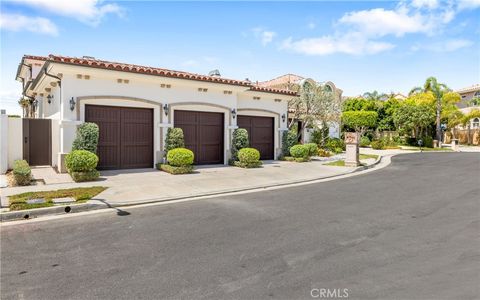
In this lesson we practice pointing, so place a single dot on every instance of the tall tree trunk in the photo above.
(438, 127)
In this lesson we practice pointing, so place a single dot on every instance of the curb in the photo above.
(97, 204)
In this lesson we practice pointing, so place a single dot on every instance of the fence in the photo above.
(462, 136)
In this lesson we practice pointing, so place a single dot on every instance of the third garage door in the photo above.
(203, 133)
(260, 133)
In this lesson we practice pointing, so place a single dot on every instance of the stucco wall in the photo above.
(15, 144)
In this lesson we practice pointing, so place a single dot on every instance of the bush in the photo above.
(299, 151)
(320, 135)
(323, 153)
(174, 139)
(175, 170)
(239, 141)
(289, 139)
(312, 149)
(22, 174)
(427, 141)
(378, 145)
(335, 144)
(364, 141)
(87, 137)
(84, 176)
(248, 158)
(81, 161)
(180, 157)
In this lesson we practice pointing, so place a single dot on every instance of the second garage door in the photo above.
(126, 136)
(260, 134)
(203, 132)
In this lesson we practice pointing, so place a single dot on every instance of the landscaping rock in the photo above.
(63, 200)
(36, 201)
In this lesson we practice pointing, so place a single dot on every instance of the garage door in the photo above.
(126, 136)
(203, 133)
(260, 134)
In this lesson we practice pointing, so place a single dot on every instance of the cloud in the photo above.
(353, 44)
(444, 46)
(88, 11)
(15, 22)
(311, 25)
(430, 4)
(265, 36)
(468, 4)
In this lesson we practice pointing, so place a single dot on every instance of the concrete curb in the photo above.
(98, 204)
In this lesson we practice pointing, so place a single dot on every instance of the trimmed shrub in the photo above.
(239, 141)
(335, 144)
(312, 149)
(299, 151)
(175, 170)
(81, 161)
(364, 141)
(248, 158)
(323, 153)
(22, 174)
(427, 141)
(87, 137)
(174, 139)
(84, 176)
(180, 157)
(378, 145)
(289, 139)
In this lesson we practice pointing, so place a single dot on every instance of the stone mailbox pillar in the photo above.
(454, 145)
(352, 155)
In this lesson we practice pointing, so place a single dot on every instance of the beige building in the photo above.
(468, 94)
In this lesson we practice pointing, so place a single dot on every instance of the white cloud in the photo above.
(14, 22)
(87, 11)
(468, 4)
(444, 46)
(265, 36)
(353, 43)
(430, 4)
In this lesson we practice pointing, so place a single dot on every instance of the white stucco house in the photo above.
(135, 105)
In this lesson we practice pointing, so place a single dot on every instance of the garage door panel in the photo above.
(125, 136)
(203, 132)
(260, 134)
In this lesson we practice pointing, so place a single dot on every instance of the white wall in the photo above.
(15, 143)
(3, 142)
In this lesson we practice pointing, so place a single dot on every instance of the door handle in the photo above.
(26, 140)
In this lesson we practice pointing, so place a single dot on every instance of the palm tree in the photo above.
(438, 90)
(24, 104)
(375, 96)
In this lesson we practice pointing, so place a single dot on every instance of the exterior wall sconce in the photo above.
(49, 98)
(234, 113)
(165, 109)
(72, 104)
(283, 118)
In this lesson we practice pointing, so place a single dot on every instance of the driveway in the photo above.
(408, 231)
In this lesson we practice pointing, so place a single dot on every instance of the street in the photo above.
(408, 231)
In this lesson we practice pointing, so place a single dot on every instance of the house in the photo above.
(287, 81)
(467, 94)
(135, 105)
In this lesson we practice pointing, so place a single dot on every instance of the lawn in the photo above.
(19, 201)
(341, 163)
(367, 156)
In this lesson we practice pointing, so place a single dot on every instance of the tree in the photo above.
(375, 96)
(360, 120)
(385, 114)
(413, 117)
(438, 90)
(355, 104)
(26, 105)
(315, 104)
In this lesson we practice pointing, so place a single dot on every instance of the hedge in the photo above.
(312, 149)
(175, 170)
(87, 137)
(180, 157)
(174, 139)
(299, 151)
(248, 158)
(81, 161)
(239, 141)
(22, 174)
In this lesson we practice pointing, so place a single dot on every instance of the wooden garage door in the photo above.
(260, 134)
(203, 133)
(126, 136)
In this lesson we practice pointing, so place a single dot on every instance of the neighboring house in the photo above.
(474, 122)
(286, 82)
(467, 94)
(135, 105)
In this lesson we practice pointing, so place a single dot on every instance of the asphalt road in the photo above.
(408, 231)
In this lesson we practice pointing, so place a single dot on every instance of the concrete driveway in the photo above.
(408, 231)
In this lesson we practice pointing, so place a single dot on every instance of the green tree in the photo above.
(356, 104)
(360, 120)
(375, 96)
(438, 90)
(410, 117)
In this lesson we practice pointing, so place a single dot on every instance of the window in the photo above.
(476, 123)
(477, 94)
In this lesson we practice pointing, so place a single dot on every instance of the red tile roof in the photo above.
(109, 65)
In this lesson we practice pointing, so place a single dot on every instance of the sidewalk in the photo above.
(127, 187)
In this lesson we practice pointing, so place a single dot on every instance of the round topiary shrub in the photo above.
(364, 141)
(180, 157)
(312, 149)
(248, 155)
(81, 161)
(299, 151)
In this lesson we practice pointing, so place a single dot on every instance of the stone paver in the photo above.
(63, 200)
(50, 176)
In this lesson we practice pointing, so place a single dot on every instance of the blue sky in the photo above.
(360, 46)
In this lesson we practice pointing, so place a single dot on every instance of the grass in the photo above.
(336, 163)
(368, 156)
(19, 201)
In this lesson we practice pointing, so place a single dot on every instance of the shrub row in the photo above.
(22, 174)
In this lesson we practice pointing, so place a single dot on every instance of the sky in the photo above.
(360, 46)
